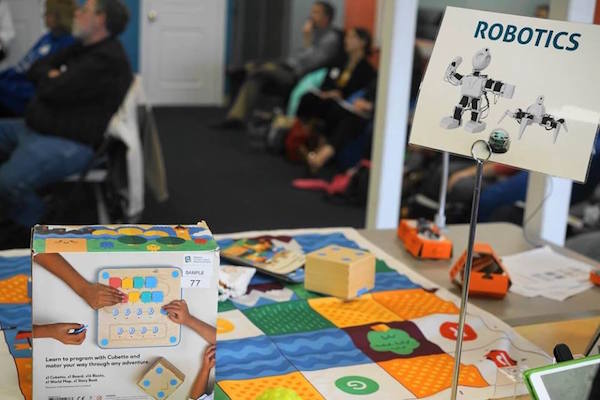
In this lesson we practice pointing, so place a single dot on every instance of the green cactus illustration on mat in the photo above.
(381, 338)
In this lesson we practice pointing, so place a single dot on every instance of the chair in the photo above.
(116, 171)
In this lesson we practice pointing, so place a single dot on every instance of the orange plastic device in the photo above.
(595, 277)
(423, 239)
(488, 276)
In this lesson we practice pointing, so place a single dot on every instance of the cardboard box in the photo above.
(98, 298)
(340, 271)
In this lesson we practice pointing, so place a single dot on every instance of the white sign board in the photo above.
(526, 86)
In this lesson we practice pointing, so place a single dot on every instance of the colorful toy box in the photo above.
(111, 304)
(423, 239)
(488, 276)
(339, 271)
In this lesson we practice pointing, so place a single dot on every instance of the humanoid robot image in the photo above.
(474, 90)
(536, 113)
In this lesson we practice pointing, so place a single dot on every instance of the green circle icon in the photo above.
(357, 385)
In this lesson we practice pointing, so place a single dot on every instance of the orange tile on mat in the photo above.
(428, 375)
(250, 389)
(414, 303)
(14, 290)
(361, 311)
(24, 367)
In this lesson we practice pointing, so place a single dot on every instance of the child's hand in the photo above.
(178, 312)
(61, 333)
(209, 358)
(98, 295)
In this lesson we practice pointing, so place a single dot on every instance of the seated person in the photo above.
(341, 126)
(15, 89)
(329, 105)
(322, 47)
(78, 90)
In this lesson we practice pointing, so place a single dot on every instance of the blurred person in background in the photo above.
(322, 48)
(16, 90)
(338, 111)
(78, 90)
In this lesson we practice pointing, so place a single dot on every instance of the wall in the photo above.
(361, 13)
(131, 37)
(518, 7)
(300, 9)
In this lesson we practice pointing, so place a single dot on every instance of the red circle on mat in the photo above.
(449, 330)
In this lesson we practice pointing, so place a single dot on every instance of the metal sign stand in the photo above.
(481, 152)
(440, 217)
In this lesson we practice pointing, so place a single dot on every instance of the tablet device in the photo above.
(570, 380)
(594, 347)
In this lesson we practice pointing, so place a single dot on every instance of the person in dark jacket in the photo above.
(352, 74)
(345, 100)
(78, 90)
(15, 89)
(322, 49)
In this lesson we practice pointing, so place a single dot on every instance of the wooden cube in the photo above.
(340, 271)
(161, 380)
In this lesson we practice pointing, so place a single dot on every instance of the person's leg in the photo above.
(37, 161)
(275, 77)
(245, 98)
(349, 126)
(10, 130)
(309, 106)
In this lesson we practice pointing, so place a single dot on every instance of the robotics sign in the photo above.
(525, 91)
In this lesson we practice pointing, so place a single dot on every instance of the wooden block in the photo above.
(340, 271)
(161, 380)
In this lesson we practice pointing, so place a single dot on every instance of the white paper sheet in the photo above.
(544, 272)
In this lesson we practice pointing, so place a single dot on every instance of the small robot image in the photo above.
(474, 90)
(499, 141)
(536, 113)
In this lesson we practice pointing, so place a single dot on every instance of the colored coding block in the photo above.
(151, 282)
(127, 283)
(115, 282)
(134, 297)
(138, 282)
(146, 297)
(157, 297)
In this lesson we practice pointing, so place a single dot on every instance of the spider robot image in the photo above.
(536, 113)
(474, 90)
